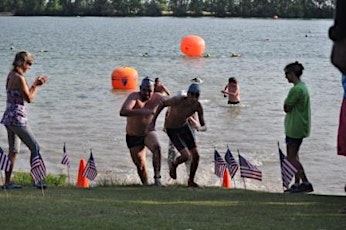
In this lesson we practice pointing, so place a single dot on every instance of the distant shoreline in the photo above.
(164, 14)
(6, 14)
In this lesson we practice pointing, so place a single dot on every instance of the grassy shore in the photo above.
(173, 207)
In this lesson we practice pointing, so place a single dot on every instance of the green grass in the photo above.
(172, 207)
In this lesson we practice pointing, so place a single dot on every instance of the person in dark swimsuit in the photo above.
(178, 130)
(139, 108)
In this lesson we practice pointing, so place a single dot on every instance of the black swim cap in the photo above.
(147, 82)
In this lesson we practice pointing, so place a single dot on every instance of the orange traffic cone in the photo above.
(226, 182)
(82, 181)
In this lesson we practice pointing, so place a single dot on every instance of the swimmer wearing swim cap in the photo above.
(139, 108)
(194, 90)
(146, 88)
(179, 131)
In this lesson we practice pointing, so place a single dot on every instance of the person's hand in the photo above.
(40, 80)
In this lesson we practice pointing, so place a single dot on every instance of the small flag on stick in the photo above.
(287, 169)
(38, 169)
(65, 160)
(5, 163)
(90, 170)
(231, 163)
(220, 164)
(248, 170)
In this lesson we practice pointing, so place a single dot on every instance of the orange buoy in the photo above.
(125, 78)
(192, 45)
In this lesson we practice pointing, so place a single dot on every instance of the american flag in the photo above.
(90, 170)
(287, 170)
(65, 160)
(231, 163)
(248, 170)
(38, 169)
(5, 163)
(220, 164)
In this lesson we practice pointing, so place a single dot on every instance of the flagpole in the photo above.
(2, 178)
(42, 190)
(3, 182)
(240, 174)
(68, 175)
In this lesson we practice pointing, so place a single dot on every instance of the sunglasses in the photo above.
(29, 63)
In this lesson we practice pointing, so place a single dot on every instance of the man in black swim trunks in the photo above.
(178, 130)
(139, 108)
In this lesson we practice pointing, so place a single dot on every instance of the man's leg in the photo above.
(152, 142)
(194, 166)
(138, 158)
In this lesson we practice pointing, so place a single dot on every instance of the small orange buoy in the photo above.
(192, 45)
(125, 78)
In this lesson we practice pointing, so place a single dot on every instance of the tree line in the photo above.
(177, 8)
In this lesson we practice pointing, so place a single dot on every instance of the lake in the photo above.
(79, 107)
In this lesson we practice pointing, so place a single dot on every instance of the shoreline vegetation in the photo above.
(306, 9)
(172, 207)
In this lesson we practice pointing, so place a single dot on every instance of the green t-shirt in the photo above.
(298, 121)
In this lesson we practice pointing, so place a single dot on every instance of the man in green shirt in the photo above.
(297, 123)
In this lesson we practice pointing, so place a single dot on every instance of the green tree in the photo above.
(152, 8)
(196, 6)
(53, 7)
(179, 7)
(101, 8)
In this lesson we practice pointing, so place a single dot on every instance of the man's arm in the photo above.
(127, 109)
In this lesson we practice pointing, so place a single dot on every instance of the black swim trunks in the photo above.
(233, 102)
(133, 141)
(182, 137)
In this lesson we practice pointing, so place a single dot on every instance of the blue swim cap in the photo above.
(194, 88)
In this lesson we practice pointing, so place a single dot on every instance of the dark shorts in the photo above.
(233, 102)
(295, 141)
(182, 137)
(133, 141)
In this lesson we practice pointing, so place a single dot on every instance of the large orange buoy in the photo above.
(124, 78)
(192, 45)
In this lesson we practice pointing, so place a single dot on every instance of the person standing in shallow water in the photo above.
(181, 108)
(139, 108)
(160, 88)
(15, 116)
(297, 123)
(233, 91)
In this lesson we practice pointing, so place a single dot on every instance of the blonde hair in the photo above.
(20, 58)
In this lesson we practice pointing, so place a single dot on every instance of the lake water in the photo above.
(79, 107)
